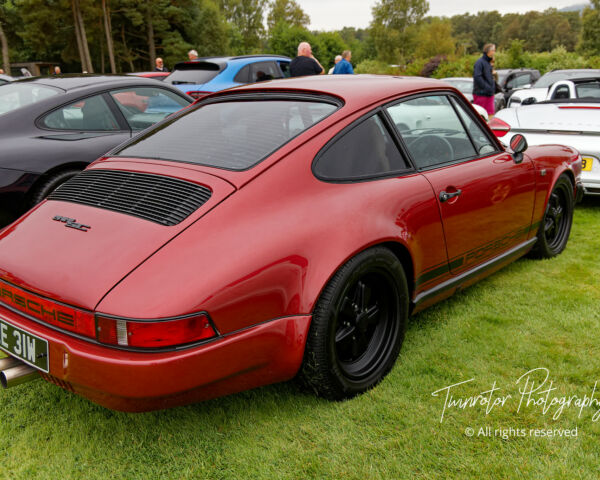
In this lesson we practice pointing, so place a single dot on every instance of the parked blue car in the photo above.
(211, 74)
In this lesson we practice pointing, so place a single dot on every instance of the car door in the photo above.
(485, 198)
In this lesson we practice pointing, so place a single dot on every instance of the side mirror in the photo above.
(518, 145)
(529, 101)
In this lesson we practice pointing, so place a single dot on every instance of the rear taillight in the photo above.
(197, 94)
(153, 333)
(499, 127)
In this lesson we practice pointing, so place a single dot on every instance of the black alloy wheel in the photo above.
(555, 227)
(357, 327)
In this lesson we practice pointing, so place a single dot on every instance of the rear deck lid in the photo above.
(95, 229)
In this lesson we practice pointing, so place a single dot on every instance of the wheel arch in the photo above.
(400, 251)
(43, 178)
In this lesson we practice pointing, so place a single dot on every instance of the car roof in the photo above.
(355, 90)
(72, 82)
(223, 61)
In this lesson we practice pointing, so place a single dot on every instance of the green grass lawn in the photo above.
(532, 314)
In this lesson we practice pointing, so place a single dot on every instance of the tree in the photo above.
(284, 39)
(435, 38)
(287, 11)
(108, 32)
(81, 37)
(590, 31)
(391, 19)
(247, 17)
(4, 43)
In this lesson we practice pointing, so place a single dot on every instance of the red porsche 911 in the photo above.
(278, 230)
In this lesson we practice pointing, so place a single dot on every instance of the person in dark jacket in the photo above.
(484, 86)
(305, 63)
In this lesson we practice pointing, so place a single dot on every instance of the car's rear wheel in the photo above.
(555, 228)
(51, 184)
(357, 327)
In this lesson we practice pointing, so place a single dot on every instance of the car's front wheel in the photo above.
(357, 327)
(555, 228)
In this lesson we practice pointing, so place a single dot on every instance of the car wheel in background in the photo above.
(51, 184)
(357, 327)
(555, 228)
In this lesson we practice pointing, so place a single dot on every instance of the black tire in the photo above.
(555, 227)
(51, 184)
(357, 327)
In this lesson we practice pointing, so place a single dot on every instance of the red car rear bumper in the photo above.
(130, 381)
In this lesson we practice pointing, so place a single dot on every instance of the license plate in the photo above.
(586, 164)
(23, 345)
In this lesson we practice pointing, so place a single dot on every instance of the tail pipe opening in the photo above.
(14, 372)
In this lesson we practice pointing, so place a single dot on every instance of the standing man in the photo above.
(483, 79)
(305, 63)
(160, 66)
(336, 60)
(344, 66)
(193, 55)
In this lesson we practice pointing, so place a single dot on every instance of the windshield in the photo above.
(195, 74)
(465, 86)
(233, 135)
(17, 95)
(551, 77)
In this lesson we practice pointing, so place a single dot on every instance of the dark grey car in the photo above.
(53, 127)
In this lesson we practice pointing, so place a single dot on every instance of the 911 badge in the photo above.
(72, 223)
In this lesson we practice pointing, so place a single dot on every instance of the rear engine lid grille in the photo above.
(163, 200)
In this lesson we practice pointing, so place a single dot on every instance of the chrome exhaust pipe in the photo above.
(8, 362)
(14, 372)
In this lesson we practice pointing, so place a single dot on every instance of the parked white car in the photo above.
(572, 122)
(546, 86)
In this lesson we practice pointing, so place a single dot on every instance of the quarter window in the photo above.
(364, 151)
(88, 114)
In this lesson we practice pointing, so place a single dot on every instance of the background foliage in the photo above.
(400, 38)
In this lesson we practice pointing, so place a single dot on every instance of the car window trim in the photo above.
(39, 121)
(308, 97)
(364, 178)
(453, 162)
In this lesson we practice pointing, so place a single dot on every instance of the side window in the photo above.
(366, 150)
(144, 106)
(88, 114)
(588, 89)
(243, 75)
(285, 68)
(562, 91)
(432, 131)
(480, 138)
(261, 71)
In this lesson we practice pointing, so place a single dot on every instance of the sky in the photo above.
(335, 14)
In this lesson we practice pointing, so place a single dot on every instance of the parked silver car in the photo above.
(572, 122)
(465, 86)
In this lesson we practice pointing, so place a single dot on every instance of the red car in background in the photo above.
(279, 230)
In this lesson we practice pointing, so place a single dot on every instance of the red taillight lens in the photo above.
(197, 94)
(499, 127)
(153, 334)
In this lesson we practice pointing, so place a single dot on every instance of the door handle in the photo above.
(445, 196)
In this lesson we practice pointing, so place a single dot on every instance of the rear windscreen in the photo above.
(234, 135)
(194, 74)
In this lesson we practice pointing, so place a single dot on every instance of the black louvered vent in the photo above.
(163, 200)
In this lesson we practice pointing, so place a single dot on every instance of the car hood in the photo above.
(76, 253)
(554, 118)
